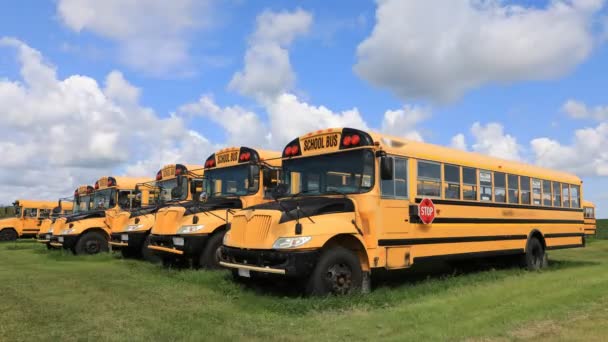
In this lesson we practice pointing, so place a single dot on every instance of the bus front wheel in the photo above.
(209, 256)
(147, 254)
(535, 257)
(337, 272)
(91, 243)
(8, 234)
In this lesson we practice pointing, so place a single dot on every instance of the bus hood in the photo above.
(210, 214)
(45, 226)
(82, 216)
(9, 222)
(140, 223)
(117, 221)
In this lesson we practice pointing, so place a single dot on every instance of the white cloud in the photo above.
(578, 110)
(268, 71)
(459, 142)
(441, 49)
(402, 122)
(152, 35)
(58, 133)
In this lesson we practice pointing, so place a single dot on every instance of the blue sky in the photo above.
(475, 62)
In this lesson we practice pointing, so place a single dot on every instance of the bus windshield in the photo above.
(171, 190)
(344, 172)
(82, 204)
(104, 199)
(17, 211)
(232, 181)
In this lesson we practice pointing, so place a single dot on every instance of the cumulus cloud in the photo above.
(268, 71)
(441, 49)
(402, 122)
(58, 133)
(152, 35)
(490, 140)
(578, 110)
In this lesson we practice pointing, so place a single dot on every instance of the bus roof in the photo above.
(36, 204)
(588, 204)
(170, 170)
(121, 182)
(232, 156)
(425, 151)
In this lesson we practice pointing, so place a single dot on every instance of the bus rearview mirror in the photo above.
(253, 169)
(386, 168)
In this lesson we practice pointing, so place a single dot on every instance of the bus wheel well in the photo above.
(537, 234)
(351, 243)
(96, 229)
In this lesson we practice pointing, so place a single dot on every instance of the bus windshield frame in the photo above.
(233, 180)
(104, 199)
(355, 169)
(80, 201)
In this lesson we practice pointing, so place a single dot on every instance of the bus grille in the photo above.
(253, 231)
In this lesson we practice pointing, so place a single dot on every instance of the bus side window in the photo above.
(575, 196)
(123, 199)
(469, 183)
(546, 193)
(565, 195)
(429, 179)
(500, 195)
(513, 184)
(485, 182)
(30, 212)
(536, 191)
(524, 183)
(396, 187)
(451, 175)
(557, 195)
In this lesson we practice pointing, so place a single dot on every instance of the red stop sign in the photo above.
(426, 211)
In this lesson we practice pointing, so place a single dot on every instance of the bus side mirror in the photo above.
(386, 168)
(196, 187)
(253, 172)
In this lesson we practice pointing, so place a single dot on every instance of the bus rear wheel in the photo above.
(8, 234)
(535, 257)
(147, 254)
(91, 243)
(337, 272)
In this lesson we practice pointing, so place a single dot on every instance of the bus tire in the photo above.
(91, 243)
(209, 256)
(535, 257)
(337, 272)
(147, 254)
(8, 234)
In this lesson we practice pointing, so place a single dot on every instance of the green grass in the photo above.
(55, 296)
(602, 229)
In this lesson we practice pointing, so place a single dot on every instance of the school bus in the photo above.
(64, 207)
(589, 215)
(234, 178)
(88, 232)
(26, 222)
(350, 203)
(174, 183)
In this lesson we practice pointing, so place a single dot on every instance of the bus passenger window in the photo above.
(565, 196)
(547, 193)
(499, 187)
(44, 213)
(513, 189)
(123, 199)
(469, 183)
(429, 179)
(485, 182)
(557, 195)
(524, 183)
(451, 175)
(575, 196)
(536, 191)
(396, 187)
(30, 212)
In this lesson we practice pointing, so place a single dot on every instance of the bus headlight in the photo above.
(290, 242)
(191, 228)
(68, 231)
(133, 227)
(226, 237)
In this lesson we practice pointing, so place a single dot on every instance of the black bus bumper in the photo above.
(288, 263)
(193, 245)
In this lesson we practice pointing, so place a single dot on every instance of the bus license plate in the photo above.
(124, 237)
(244, 273)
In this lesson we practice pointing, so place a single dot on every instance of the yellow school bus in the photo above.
(26, 222)
(88, 232)
(174, 183)
(81, 204)
(589, 214)
(235, 178)
(352, 202)
(64, 207)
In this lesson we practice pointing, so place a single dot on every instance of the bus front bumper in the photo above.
(131, 240)
(288, 263)
(178, 245)
(64, 241)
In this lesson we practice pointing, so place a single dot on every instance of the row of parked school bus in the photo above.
(331, 208)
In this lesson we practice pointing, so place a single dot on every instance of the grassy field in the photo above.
(54, 296)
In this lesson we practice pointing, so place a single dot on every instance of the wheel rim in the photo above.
(339, 278)
(92, 247)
